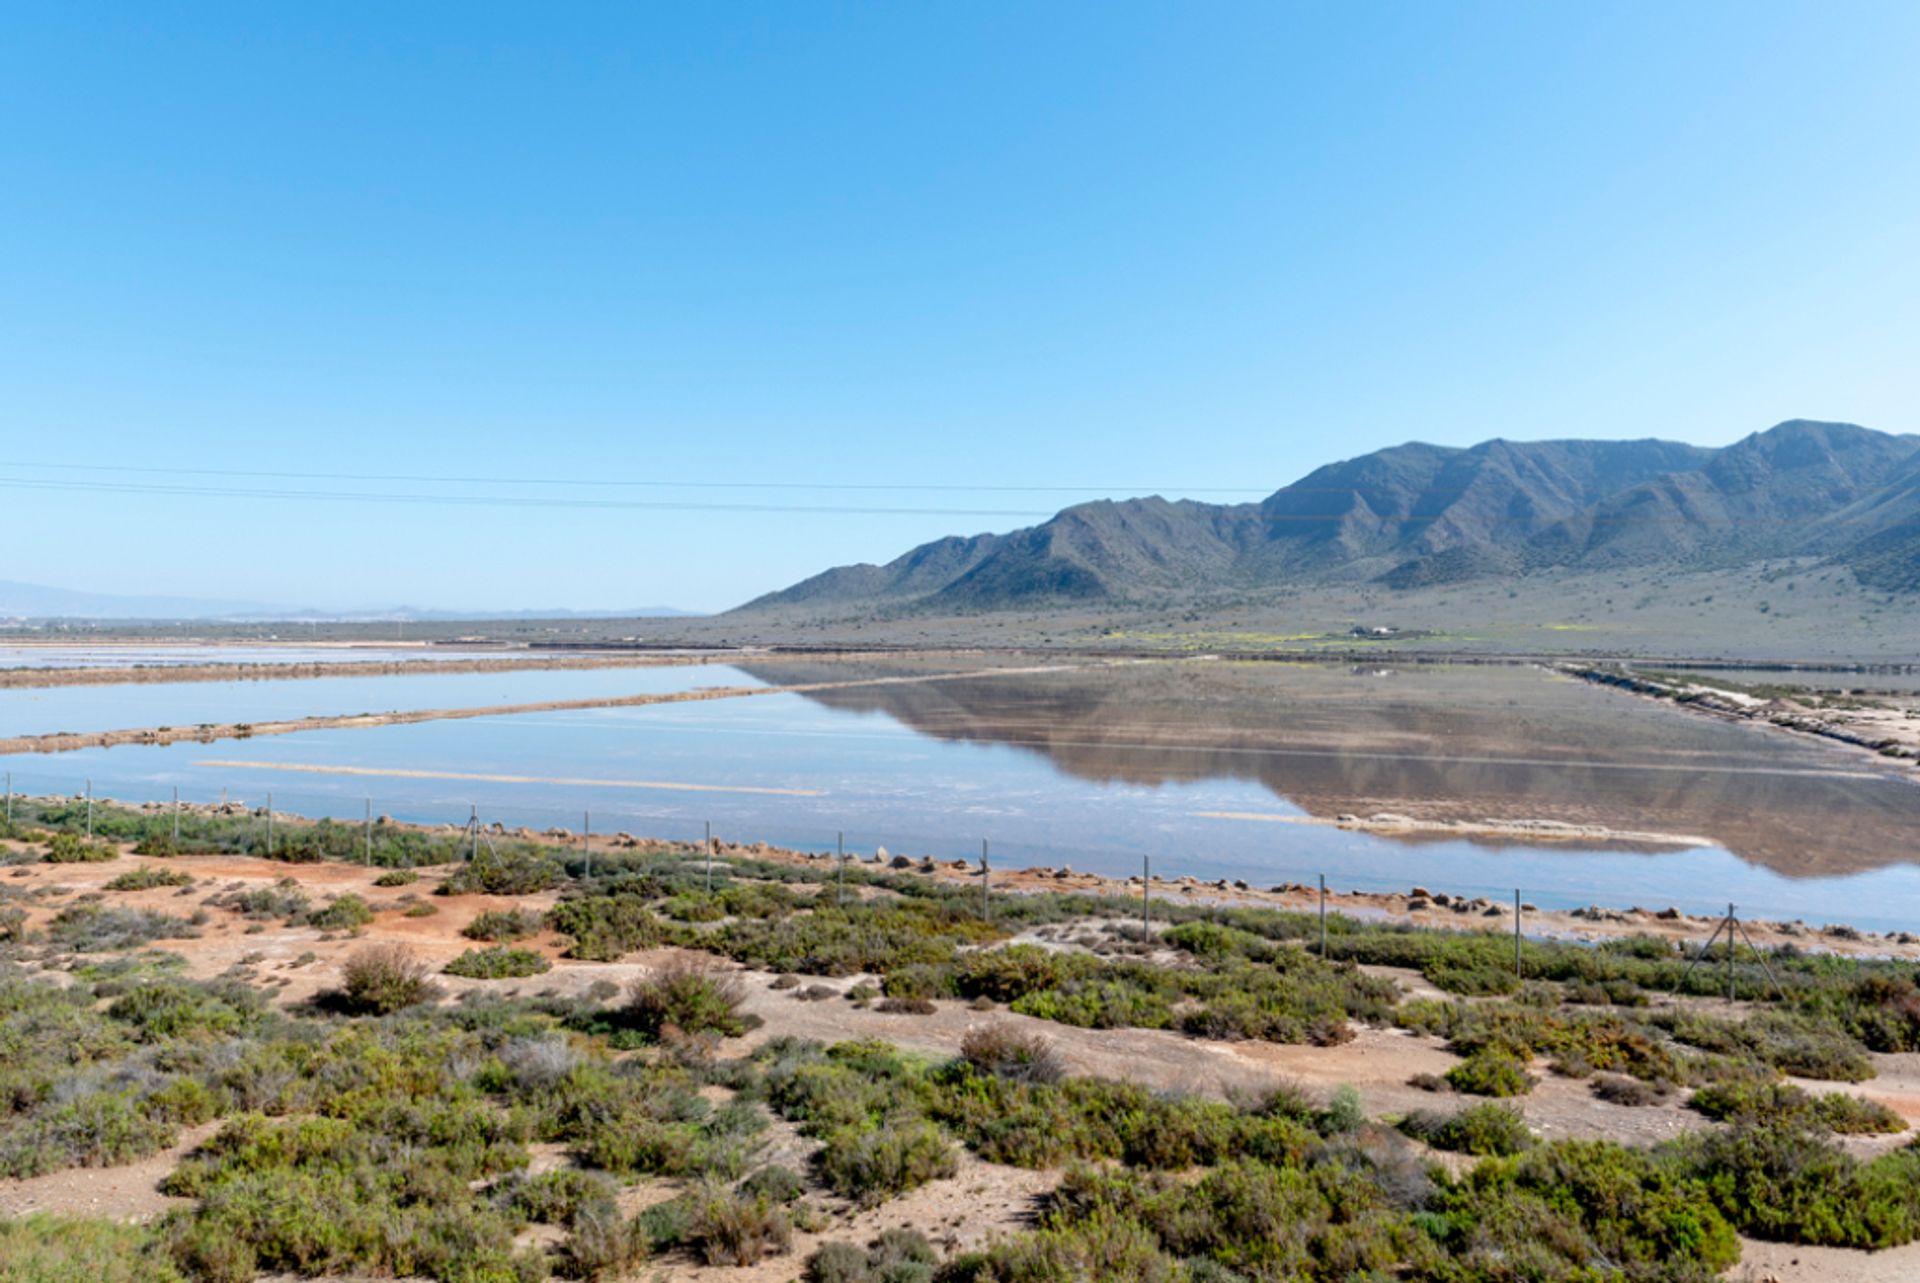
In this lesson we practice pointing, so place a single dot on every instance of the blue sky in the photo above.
(1077, 248)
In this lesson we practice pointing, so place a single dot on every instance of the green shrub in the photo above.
(71, 848)
(503, 925)
(147, 877)
(44, 1248)
(515, 870)
(776, 1184)
(97, 1129)
(499, 962)
(602, 1244)
(1491, 1071)
(397, 878)
(347, 913)
(727, 1228)
(1485, 1130)
(604, 927)
(1772, 1103)
(100, 928)
(688, 996)
(1793, 1185)
(553, 1198)
(896, 1256)
(873, 1164)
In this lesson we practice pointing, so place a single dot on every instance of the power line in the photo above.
(496, 501)
(648, 483)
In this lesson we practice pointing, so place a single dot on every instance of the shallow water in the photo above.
(152, 656)
(136, 705)
(1101, 767)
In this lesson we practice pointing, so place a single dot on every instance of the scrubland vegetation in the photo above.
(384, 1129)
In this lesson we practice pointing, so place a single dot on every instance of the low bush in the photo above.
(728, 1228)
(498, 962)
(871, 1164)
(1617, 1089)
(604, 927)
(148, 877)
(1004, 1051)
(1772, 1103)
(379, 979)
(1486, 1130)
(1794, 1185)
(776, 1184)
(689, 996)
(99, 928)
(397, 878)
(896, 1256)
(43, 1248)
(514, 870)
(346, 913)
(503, 925)
(71, 848)
(1491, 1071)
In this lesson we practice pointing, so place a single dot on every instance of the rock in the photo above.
(1417, 903)
(1421, 893)
(1064, 871)
(1669, 914)
(1240, 885)
(880, 854)
(900, 862)
(1442, 899)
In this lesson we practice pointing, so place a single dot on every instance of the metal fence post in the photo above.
(1146, 896)
(1323, 917)
(986, 874)
(1731, 921)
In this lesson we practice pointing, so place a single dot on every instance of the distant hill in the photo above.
(1417, 515)
(38, 602)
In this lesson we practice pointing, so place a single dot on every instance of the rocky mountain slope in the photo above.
(1416, 515)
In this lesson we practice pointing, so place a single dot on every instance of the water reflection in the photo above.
(1467, 742)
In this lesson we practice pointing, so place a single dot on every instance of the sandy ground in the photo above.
(982, 1200)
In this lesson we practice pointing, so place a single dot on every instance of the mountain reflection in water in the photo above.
(1453, 742)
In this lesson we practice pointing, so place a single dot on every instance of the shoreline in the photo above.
(208, 733)
(1419, 907)
(1893, 740)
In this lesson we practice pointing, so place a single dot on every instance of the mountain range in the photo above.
(1416, 515)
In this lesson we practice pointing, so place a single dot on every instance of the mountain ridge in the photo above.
(1418, 514)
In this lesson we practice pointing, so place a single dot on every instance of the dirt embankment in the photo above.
(1888, 727)
(63, 742)
(18, 678)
